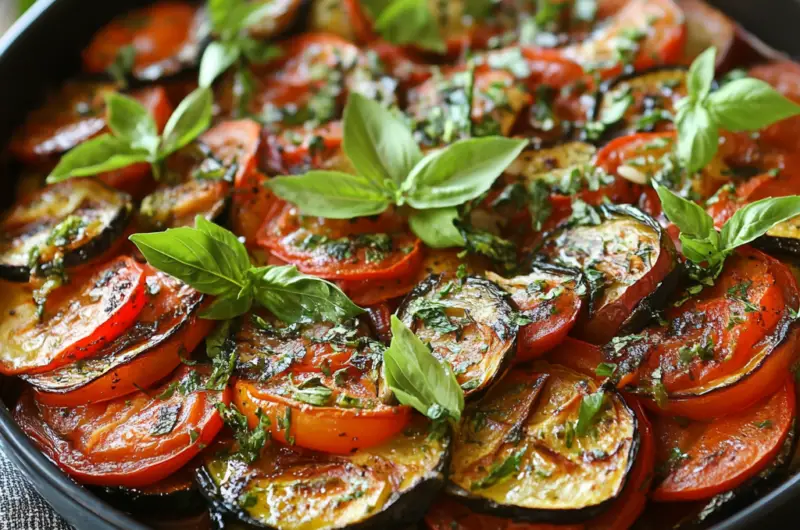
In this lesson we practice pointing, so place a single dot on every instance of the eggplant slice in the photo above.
(174, 497)
(197, 184)
(551, 298)
(151, 330)
(627, 258)
(529, 451)
(641, 102)
(60, 227)
(783, 238)
(287, 488)
(470, 324)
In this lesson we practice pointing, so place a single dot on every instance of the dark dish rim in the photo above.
(88, 510)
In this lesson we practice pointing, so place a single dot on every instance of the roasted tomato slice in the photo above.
(525, 451)
(627, 259)
(552, 299)
(371, 292)
(293, 489)
(721, 350)
(62, 225)
(648, 100)
(147, 352)
(165, 38)
(77, 320)
(785, 77)
(73, 115)
(702, 459)
(463, 103)
(251, 200)
(319, 384)
(467, 323)
(644, 33)
(367, 248)
(132, 441)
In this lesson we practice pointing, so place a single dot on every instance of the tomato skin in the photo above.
(251, 201)
(285, 232)
(728, 451)
(111, 443)
(159, 34)
(663, 42)
(235, 141)
(327, 429)
(112, 299)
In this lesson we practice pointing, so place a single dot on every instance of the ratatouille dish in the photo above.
(479, 264)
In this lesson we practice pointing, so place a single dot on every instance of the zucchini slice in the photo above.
(61, 226)
(470, 324)
(641, 102)
(200, 185)
(291, 489)
(545, 445)
(552, 299)
(628, 261)
(170, 305)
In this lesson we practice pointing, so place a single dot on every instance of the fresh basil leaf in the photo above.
(380, 146)
(122, 65)
(436, 229)
(689, 217)
(219, 12)
(749, 105)
(229, 306)
(410, 22)
(698, 136)
(701, 74)
(236, 257)
(753, 220)
(258, 52)
(218, 57)
(294, 297)
(419, 379)
(331, 194)
(616, 111)
(194, 257)
(699, 250)
(130, 122)
(215, 341)
(190, 120)
(100, 154)
(460, 172)
(589, 412)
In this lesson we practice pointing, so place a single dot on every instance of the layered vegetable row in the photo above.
(374, 264)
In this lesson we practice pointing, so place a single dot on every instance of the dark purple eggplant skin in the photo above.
(407, 508)
(112, 231)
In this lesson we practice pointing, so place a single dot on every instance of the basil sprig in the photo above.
(406, 22)
(135, 138)
(229, 22)
(708, 247)
(744, 104)
(391, 170)
(419, 379)
(212, 260)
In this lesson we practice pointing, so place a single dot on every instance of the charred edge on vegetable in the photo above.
(188, 314)
(505, 328)
(93, 248)
(179, 503)
(480, 504)
(618, 129)
(404, 508)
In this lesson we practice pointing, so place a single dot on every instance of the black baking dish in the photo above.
(43, 48)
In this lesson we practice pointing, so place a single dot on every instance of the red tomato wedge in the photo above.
(330, 429)
(367, 248)
(165, 38)
(149, 350)
(235, 142)
(78, 320)
(133, 441)
(549, 297)
(655, 29)
(250, 202)
(722, 350)
(705, 459)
